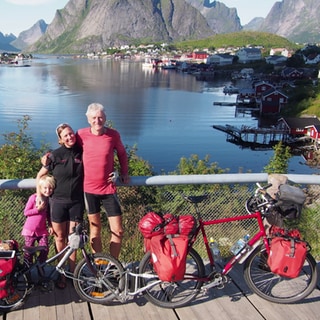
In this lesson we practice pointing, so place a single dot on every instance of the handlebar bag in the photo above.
(287, 256)
(169, 256)
(290, 193)
(290, 201)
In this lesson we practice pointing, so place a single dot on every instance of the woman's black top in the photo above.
(67, 168)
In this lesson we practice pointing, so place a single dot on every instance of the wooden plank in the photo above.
(29, 311)
(306, 309)
(137, 308)
(54, 305)
(226, 304)
(235, 301)
(69, 306)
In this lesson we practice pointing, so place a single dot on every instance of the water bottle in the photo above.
(214, 247)
(239, 245)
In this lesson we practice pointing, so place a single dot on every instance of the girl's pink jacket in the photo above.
(36, 223)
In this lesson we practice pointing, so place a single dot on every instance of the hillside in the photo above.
(240, 39)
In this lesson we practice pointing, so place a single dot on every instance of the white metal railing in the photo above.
(181, 179)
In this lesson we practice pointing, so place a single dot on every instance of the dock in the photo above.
(234, 301)
(253, 136)
(228, 104)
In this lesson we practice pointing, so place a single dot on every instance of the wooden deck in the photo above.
(233, 302)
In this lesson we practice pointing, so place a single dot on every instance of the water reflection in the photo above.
(168, 115)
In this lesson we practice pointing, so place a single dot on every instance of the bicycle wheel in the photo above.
(102, 287)
(275, 288)
(18, 290)
(173, 294)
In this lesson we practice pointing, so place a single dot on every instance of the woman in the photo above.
(66, 202)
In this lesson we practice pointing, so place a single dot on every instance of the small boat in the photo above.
(151, 63)
(169, 65)
(230, 90)
(20, 61)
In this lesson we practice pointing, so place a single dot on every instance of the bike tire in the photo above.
(173, 294)
(275, 288)
(18, 294)
(99, 289)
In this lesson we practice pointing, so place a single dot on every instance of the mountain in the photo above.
(84, 25)
(30, 36)
(5, 43)
(296, 20)
(93, 25)
(220, 18)
(254, 24)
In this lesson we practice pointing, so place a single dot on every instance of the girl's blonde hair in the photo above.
(47, 178)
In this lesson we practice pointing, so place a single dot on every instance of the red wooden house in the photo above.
(200, 55)
(313, 132)
(272, 101)
(298, 126)
(261, 87)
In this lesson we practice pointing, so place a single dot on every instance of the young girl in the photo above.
(38, 216)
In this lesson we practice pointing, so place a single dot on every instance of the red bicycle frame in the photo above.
(251, 244)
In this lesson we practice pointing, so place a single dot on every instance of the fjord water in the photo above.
(166, 114)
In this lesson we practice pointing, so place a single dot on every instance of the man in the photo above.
(99, 145)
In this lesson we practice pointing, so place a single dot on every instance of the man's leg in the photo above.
(116, 228)
(95, 232)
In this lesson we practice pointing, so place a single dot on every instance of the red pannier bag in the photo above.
(287, 256)
(171, 224)
(7, 262)
(151, 224)
(169, 256)
(187, 225)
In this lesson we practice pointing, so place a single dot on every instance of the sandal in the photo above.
(61, 283)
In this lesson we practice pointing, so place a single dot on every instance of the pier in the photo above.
(262, 138)
(229, 104)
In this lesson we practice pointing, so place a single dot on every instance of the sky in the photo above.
(20, 15)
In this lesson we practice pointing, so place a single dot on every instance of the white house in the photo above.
(249, 54)
(220, 59)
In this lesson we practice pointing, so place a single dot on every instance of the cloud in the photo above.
(29, 2)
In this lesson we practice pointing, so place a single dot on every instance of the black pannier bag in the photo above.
(290, 201)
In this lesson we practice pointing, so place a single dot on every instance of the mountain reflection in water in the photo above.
(166, 114)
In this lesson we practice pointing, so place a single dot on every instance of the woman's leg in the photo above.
(60, 231)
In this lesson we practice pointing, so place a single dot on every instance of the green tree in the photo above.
(280, 161)
(19, 157)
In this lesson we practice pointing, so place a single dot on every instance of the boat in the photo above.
(230, 90)
(20, 61)
(151, 63)
(169, 65)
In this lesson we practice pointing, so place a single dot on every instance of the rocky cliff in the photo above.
(92, 25)
(30, 36)
(296, 20)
